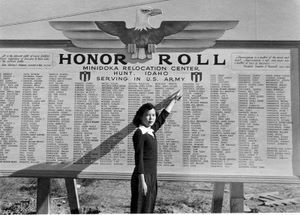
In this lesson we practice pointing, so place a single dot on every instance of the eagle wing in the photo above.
(86, 34)
(118, 28)
(192, 35)
(115, 28)
(172, 27)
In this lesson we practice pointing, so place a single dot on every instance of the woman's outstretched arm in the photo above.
(164, 114)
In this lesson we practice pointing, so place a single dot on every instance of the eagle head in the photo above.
(142, 17)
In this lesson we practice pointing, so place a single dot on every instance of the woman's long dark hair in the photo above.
(137, 120)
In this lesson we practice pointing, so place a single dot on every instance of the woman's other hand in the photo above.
(142, 185)
(143, 188)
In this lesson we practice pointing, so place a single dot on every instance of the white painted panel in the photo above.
(278, 20)
(258, 19)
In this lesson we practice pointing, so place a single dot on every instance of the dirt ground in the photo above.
(185, 197)
(113, 196)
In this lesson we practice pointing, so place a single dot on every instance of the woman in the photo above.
(144, 177)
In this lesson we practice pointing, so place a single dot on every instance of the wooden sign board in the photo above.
(68, 112)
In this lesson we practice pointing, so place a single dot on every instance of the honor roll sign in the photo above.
(68, 114)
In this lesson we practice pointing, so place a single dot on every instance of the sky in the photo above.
(258, 19)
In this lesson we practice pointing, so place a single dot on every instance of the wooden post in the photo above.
(236, 197)
(72, 195)
(217, 200)
(43, 196)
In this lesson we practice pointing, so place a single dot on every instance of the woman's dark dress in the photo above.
(145, 147)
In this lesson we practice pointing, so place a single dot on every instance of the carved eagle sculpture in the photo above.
(142, 39)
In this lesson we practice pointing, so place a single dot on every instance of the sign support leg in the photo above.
(217, 200)
(43, 196)
(236, 197)
(72, 195)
